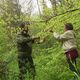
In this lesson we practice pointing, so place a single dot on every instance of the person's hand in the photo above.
(40, 41)
(36, 38)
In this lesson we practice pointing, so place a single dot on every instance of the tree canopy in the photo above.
(49, 58)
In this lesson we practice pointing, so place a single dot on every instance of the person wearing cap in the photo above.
(69, 45)
(24, 46)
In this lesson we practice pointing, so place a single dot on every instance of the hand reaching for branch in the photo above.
(39, 40)
(36, 38)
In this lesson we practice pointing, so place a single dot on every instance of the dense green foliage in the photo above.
(49, 58)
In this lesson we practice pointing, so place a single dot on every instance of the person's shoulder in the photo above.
(69, 32)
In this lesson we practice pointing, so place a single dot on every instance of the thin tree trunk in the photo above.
(39, 8)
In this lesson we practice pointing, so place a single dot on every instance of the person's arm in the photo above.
(62, 37)
(35, 39)
(56, 35)
(40, 41)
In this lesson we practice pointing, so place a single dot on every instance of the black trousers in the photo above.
(72, 65)
(25, 64)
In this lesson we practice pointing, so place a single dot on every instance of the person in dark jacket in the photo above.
(24, 46)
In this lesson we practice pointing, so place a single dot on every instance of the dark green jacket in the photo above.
(24, 43)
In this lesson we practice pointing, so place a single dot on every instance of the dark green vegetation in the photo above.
(49, 58)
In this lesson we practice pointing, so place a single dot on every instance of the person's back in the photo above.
(24, 43)
(24, 46)
(70, 42)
